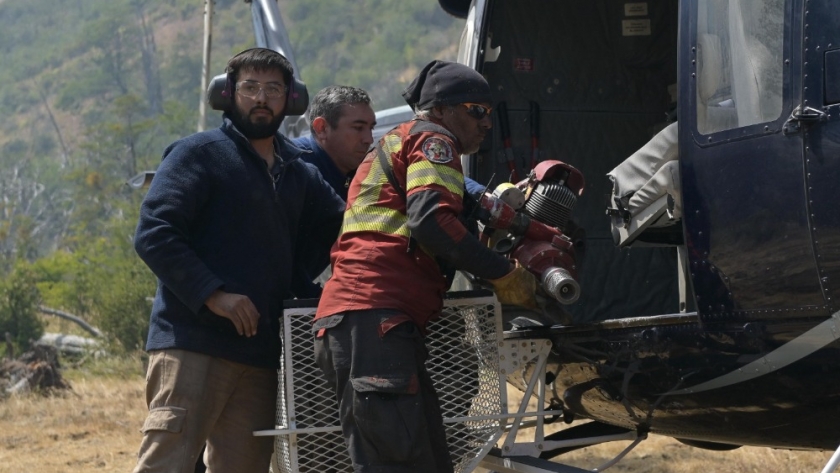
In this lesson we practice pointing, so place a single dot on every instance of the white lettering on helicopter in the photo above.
(635, 9)
(639, 27)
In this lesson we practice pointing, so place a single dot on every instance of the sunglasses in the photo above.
(477, 111)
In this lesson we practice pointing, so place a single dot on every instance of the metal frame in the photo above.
(463, 363)
(469, 363)
(531, 355)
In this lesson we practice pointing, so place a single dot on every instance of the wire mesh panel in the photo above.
(304, 401)
(463, 363)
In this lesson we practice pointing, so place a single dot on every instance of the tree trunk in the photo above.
(151, 72)
(64, 154)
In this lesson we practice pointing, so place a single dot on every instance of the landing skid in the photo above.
(469, 362)
(496, 463)
(833, 462)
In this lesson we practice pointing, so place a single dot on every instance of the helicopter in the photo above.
(706, 238)
(708, 134)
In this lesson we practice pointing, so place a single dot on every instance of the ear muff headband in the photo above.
(221, 88)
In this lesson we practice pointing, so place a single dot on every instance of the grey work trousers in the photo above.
(389, 411)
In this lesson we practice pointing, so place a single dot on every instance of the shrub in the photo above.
(18, 302)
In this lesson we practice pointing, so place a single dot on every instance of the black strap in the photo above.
(392, 179)
(389, 170)
(421, 126)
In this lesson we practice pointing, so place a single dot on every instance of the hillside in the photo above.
(76, 73)
(93, 91)
(75, 57)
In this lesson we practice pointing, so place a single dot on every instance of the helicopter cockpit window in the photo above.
(739, 63)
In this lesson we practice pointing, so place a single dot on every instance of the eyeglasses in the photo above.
(251, 89)
(477, 111)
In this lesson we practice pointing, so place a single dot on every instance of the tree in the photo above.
(148, 51)
(64, 153)
(119, 283)
(18, 304)
(94, 93)
(22, 213)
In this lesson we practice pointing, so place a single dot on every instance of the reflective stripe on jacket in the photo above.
(373, 263)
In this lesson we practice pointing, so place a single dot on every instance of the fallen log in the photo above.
(70, 344)
(74, 318)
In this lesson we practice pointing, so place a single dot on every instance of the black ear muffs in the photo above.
(297, 98)
(220, 95)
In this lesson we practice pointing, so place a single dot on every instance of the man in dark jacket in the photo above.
(341, 126)
(341, 132)
(219, 228)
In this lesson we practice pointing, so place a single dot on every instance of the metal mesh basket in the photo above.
(463, 363)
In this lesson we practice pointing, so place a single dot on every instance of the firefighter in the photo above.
(403, 236)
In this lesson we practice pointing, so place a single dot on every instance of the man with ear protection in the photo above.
(219, 228)
(402, 228)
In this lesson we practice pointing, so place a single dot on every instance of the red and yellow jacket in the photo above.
(374, 263)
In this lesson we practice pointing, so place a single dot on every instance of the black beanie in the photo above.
(446, 83)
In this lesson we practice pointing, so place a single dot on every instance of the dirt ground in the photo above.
(659, 454)
(95, 428)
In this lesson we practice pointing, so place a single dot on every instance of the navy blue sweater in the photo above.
(319, 158)
(311, 263)
(214, 218)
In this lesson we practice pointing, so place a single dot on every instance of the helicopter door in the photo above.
(745, 206)
(818, 120)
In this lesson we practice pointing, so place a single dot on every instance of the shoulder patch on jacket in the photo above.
(437, 150)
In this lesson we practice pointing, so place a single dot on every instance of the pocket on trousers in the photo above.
(388, 406)
(389, 416)
(167, 419)
(320, 326)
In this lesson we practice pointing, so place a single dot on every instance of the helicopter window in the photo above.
(739, 63)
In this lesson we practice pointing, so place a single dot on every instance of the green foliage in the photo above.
(104, 282)
(370, 44)
(18, 302)
(78, 86)
(181, 73)
(64, 282)
(124, 285)
(82, 76)
(124, 305)
(124, 288)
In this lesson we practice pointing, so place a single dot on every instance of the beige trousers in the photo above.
(195, 398)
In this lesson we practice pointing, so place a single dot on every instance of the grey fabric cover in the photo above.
(650, 173)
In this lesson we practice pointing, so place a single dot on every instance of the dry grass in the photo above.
(95, 428)
(664, 455)
(92, 428)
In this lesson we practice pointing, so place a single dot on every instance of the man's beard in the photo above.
(255, 131)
